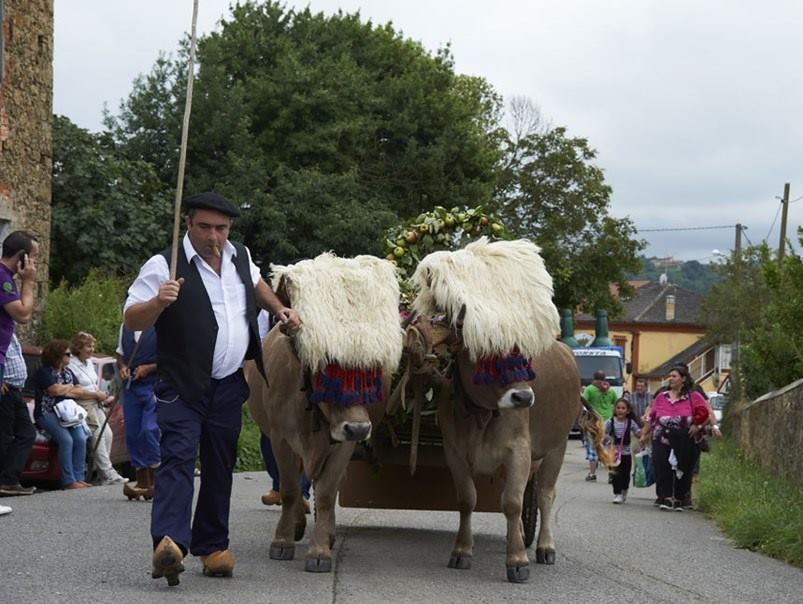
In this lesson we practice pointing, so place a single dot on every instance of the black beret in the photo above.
(209, 200)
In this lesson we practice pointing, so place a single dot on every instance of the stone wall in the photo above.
(26, 116)
(770, 431)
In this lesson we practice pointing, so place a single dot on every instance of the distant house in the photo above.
(26, 123)
(661, 326)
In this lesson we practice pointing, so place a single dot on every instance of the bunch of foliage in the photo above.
(550, 191)
(94, 306)
(759, 305)
(109, 212)
(407, 243)
(326, 129)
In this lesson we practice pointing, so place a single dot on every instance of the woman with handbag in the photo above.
(618, 430)
(676, 417)
(54, 383)
(83, 347)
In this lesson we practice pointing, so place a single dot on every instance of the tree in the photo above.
(326, 129)
(109, 212)
(550, 191)
(759, 304)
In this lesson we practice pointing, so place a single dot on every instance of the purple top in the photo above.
(8, 293)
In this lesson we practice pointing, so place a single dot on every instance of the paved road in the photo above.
(92, 545)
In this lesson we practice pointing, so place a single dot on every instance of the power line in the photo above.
(772, 226)
(705, 228)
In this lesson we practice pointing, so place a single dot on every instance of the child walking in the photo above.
(618, 429)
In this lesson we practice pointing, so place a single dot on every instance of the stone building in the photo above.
(26, 116)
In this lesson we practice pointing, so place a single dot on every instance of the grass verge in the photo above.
(755, 509)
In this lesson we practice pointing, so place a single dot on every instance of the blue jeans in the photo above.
(72, 447)
(141, 429)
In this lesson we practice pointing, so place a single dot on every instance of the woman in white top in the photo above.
(81, 365)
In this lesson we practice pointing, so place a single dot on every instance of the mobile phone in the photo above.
(23, 260)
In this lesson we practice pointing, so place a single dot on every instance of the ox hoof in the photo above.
(545, 556)
(460, 562)
(518, 574)
(282, 552)
(318, 565)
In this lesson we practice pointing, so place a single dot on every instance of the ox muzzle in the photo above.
(517, 398)
(350, 431)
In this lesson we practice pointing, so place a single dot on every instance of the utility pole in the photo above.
(784, 212)
(736, 372)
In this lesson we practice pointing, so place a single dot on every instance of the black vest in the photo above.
(186, 330)
(626, 440)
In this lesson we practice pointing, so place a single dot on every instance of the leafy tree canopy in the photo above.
(108, 211)
(326, 129)
(759, 304)
(550, 191)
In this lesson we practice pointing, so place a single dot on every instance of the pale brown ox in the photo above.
(301, 435)
(523, 427)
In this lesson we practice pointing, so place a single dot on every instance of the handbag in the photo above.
(69, 413)
(643, 475)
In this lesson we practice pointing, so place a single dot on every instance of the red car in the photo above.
(43, 462)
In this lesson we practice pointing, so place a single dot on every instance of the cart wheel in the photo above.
(529, 512)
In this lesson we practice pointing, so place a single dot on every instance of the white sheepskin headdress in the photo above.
(349, 308)
(506, 292)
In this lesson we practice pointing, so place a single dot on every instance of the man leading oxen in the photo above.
(328, 384)
(206, 326)
(499, 327)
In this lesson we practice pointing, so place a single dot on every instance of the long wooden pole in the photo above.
(182, 157)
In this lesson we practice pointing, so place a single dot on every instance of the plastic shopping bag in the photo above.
(642, 470)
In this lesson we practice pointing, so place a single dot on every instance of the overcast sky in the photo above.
(694, 107)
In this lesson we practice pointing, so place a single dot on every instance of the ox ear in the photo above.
(281, 292)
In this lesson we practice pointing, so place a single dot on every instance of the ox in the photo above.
(522, 426)
(320, 437)
(493, 412)
(327, 385)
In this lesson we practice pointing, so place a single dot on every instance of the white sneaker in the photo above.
(4, 509)
(624, 496)
(113, 478)
(618, 499)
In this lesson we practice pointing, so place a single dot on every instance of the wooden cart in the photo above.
(378, 476)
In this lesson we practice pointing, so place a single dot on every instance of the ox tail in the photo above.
(594, 428)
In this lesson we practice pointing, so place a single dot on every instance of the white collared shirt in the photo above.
(226, 293)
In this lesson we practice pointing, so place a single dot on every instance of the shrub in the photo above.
(94, 306)
(249, 455)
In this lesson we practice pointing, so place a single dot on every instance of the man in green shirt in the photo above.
(602, 399)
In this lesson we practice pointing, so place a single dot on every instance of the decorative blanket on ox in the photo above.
(350, 332)
(506, 292)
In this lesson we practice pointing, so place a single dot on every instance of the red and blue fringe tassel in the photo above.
(342, 386)
(503, 370)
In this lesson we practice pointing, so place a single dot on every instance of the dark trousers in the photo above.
(17, 436)
(621, 479)
(213, 425)
(273, 468)
(667, 484)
